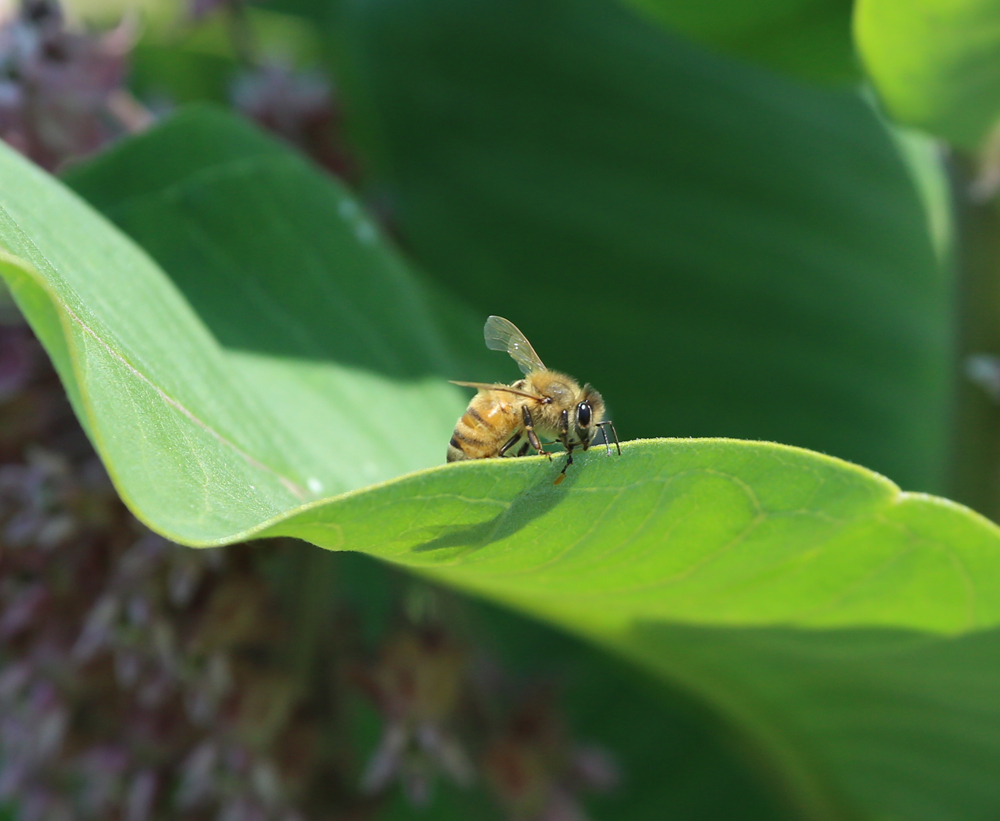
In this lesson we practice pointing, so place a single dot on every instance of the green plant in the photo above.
(722, 250)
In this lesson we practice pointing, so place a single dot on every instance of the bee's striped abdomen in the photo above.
(477, 433)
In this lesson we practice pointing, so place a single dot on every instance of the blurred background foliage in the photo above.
(704, 209)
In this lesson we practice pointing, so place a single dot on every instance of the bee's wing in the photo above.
(491, 386)
(502, 335)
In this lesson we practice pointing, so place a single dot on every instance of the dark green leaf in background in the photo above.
(810, 39)
(935, 63)
(341, 377)
(720, 251)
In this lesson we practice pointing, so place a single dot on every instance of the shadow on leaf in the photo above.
(527, 506)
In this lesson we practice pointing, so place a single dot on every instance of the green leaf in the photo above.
(845, 630)
(719, 251)
(810, 39)
(935, 63)
(849, 629)
(326, 365)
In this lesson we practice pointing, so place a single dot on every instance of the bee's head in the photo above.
(589, 412)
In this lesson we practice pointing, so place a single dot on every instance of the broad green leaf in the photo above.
(325, 369)
(183, 175)
(719, 251)
(804, 38)
(935, 63)
(847, 628)
(846, 631)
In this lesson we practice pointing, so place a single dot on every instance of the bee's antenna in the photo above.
(607, 443)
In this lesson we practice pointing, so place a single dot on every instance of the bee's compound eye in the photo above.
(583, 414)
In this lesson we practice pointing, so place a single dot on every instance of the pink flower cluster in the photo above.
(61, 92)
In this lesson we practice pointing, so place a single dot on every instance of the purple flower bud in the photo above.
(67, 84)
(110, 758)
(298, 106)
(47, 464)
(51, 730)
(164, 643)
(447, 753)
(141, 796)
(141, 560)
(385, 762)
(43, 696)
(128, 668)
(97, 629)
(209, 689)
(198, 782)
(237, 759)
(242, 809)
(21, 529)
(266, 783)
(139, 610)
(55, 531)
(38, 805)
(183, 580)
(101, 769)
(155, 691)
(594, 769)
(984, 370)
(561, 806)
(13, 774)
(14, 677)
(282, 99)
(417, 786)
(23, 610)
(17, 354)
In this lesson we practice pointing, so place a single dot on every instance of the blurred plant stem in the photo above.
(975, 468)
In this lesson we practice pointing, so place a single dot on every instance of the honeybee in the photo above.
(508, 420)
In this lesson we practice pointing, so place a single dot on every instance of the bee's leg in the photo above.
(529, 426)
(569, 461)
(564, 438)
(614, 433)
(510, 443)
